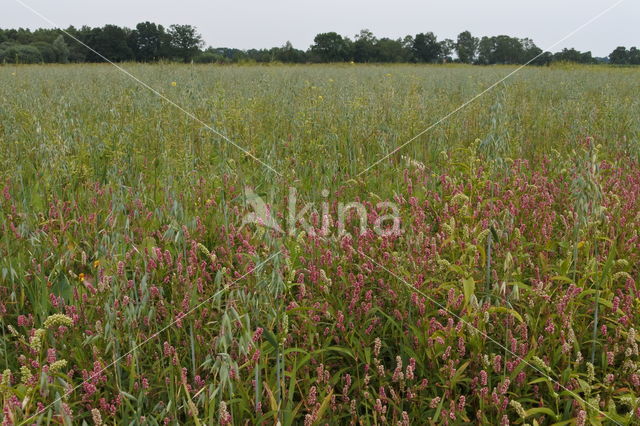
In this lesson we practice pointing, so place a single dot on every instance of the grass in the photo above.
(509, 297)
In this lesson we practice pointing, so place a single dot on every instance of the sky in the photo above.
(267, 23)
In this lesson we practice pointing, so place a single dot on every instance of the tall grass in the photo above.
(124, 215)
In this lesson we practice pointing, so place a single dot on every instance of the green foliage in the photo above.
(20, 54)
(121, 213)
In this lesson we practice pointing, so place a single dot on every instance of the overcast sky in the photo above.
(267, 23)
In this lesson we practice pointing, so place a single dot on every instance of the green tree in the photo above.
(77, 52)
(619, 56)
(185, 41)
(331, 47)
(146, 41)
(447, 46)
(634, 56)
(426, 48)
(21, 54)
(288, 53)
(466, 47)
(503, 49)
(46, 51)
(61, 50)
(573, 55)
(109, 41)
(364, 47)
(389, 50)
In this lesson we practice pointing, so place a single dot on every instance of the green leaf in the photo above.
(469, 287)
(540, 410)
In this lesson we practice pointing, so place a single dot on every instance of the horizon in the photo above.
(241, 31)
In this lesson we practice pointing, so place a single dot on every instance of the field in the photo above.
(151, 272)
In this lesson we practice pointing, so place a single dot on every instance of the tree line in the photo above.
(149, 42)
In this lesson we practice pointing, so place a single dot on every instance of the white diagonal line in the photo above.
(398, 148)
(153, 336)
(518, 357)
(163, 97)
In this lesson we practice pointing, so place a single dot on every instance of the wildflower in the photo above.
(609, 379)
(36, 341)
(97, 418)
(96, 263)
(591, 374)
(223, 414)
(459, 198)
(518, 407)
(483, 378)
(6, 377)
(434, 402)
(81, 276)
(174, 84)
(540, 365)
(57, 320)
(377, 346)
(312, 397)
(25, 374)
(57, 366)
(504, 386)
(258, 334)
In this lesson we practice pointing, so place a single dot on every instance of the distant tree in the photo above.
(331, 47)
(146, 41)
(109, 41)
(407, 46)
(619, 56)
(364, 47)
(230, 55)
(389, 50)
(634, 56)
(77, 52)
(530, 52)
(503, 49)
(21, 54)
(260, 55)
(22, 36)
(426, 47)
(209, 56)
(544, 59)
(61, 50)
(185, 41)
(46, 51)
(466, 47)
(573, 55)
(288, 53)
(447, 46)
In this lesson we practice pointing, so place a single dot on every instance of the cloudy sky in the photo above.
(267, 23)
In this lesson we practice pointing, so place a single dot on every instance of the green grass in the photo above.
(520, 216)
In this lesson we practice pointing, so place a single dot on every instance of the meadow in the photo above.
(132, 291)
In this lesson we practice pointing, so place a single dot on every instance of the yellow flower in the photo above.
(320, 97)
(96, 263)
(81, 276)
(174, 84)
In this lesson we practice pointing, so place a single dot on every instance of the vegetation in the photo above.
(131, 292)
(150, 42)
